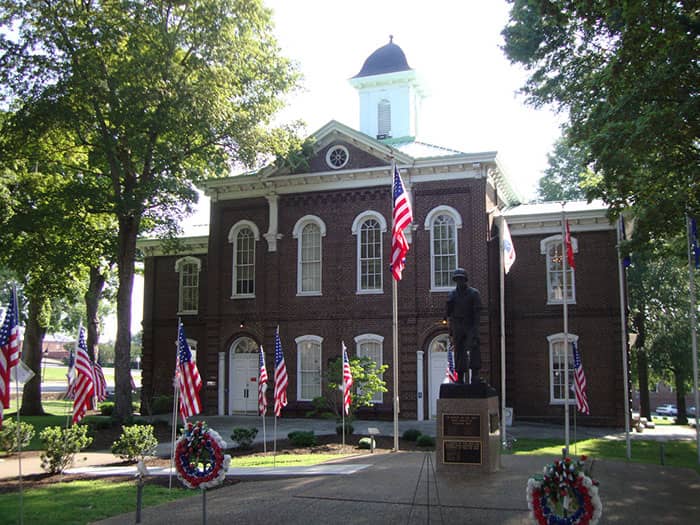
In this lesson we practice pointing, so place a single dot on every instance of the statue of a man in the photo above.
(463, 306)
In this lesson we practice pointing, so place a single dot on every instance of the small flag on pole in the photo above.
(347, 381)
(281, 379)
(450, 372)
(9, 351)
(580, 383)
(188, 378)
(84, 388)
(508, 248)
(403, 216)
(569, 248)
(262, 385)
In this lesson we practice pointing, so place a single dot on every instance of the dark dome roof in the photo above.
(387, 59)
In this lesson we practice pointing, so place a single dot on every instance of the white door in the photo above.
(243, 376)
(437, 352)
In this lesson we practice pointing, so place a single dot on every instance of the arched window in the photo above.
(384, 119)
(243, 236)
(368, 227)
(308, 367)
(557, 368)
(371, 346)
(551, 247)
(308, 231)
(443, 223)
(188, 298)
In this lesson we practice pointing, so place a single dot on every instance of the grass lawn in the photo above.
(677, 453)
(81, 502)
(284, 460)
(41, 422)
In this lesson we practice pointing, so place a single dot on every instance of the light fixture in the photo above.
(242, 325)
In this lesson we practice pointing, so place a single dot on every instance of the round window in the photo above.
(337, 157)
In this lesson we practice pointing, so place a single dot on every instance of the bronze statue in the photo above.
(463, 307)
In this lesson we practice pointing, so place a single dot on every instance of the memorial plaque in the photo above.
(461, 425)
(462, 452)
(493, 423)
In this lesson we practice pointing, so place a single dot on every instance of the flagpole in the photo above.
(176, 388)
(395, 356)
(502, 302)
(623, 340)
(274, 449)
(693, 329)
(564, 263)
(19, 424)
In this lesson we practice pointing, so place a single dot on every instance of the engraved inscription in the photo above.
(462, 452)
(461, 425)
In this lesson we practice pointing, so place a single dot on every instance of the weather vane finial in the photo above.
(391, 39)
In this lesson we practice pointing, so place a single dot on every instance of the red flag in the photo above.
(9, 351)
(569, 248)
(347, 381)
(262, 385)
(189, 381)
(281, 379)
(403, 217)
(450, 372)
(580, 383)
(84, 388)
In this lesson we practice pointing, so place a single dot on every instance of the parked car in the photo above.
(690, 411)
(667, 410)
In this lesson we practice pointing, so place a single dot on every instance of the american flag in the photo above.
(402, 218)
(347, 381)
(580, 383)
(188, 380)
(569, 248)
(84, 384)
(450, 372)
(100, 382)
(262, 385)
(281, 379)
(9, 351)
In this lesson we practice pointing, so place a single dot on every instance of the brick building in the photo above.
(307, 249)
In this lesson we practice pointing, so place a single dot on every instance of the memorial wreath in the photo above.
(564, 495)
(199, 456)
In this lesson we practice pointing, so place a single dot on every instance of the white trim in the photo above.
(429, 225)
(372, 338)
(442, 335)
(233, 234)
(309, 339)
(331, 150)
(244, 223)
(296, 234)
(443, 209)
(356, 230)
(231, 365)
(571, 277)
(221, 379)
(179, 268)
(420, 388)
(552, 340)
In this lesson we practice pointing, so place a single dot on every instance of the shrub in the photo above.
(411, 434)
(302, 438)
(244, 437)
(61, 446)
(107, 408)
(426, 441)
(349, 429)
(136, 443)
(366, 443)
(8, 435)
(162, 405)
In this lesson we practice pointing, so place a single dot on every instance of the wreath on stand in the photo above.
(199, 457)
(564, 495)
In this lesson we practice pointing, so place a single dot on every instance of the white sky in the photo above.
(472, 103)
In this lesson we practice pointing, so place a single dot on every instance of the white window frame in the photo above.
(556, 342)
(357, 225)
(555, 241)
(361, 340)
(297, 234)
(311, 340)
(180, 266)
(430, 220)
(233, 233)
(193, 349)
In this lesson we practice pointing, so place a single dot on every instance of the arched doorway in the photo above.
(243, 376)
(437, 365)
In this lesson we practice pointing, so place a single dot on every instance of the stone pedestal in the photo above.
(468, 432)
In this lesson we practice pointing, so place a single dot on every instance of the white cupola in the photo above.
(390, 95)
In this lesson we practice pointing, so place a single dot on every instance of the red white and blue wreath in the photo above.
(564, 495)
(199, 457)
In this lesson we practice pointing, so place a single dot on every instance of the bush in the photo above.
(162, 405)
(302, 438)
(8, 435)
(366, 443)
(107, 408)
(244, 437)
(411, 434)
(61, 446)
(136, 443)
(426, 441)
(349, 429)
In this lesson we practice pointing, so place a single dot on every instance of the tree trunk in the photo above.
(642, 365)
(92, 301)
(126, 254)
(31, 355)
(681, 418)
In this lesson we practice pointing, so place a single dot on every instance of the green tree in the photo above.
(367, 380)
(160, 94)
(627, 75)
(562, 178)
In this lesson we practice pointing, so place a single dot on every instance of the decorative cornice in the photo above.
(183, 246)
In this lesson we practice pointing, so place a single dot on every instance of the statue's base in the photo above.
(468, 431)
